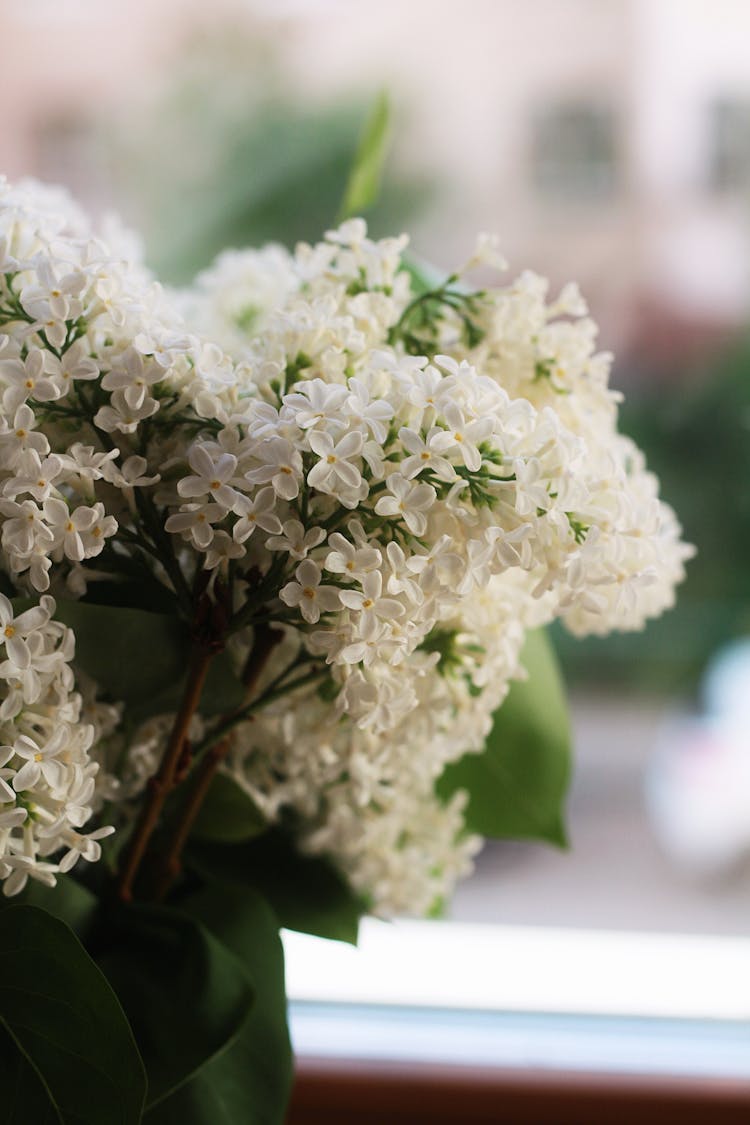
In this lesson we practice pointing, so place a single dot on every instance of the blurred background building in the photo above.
(604, 140)
(604, 137)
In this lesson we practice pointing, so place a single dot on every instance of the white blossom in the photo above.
(308, 594)
(408, 501)
(254, 512)
(334, 473)
(404, 494)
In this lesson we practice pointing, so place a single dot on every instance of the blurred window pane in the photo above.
(729, 168)
(68, 151)
(574, 151)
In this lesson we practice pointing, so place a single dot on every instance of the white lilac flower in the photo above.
(349, 559)
(281, 466)
(195, 522)
(54, 296)
(29, 378)
(408, 501)
(77, 365)
(410, 492)
(132, 473)
(222, 550)
(368, 411)
(334, 473)
(371, 604)
(133, 378)
(21, 437)
(23, 527)
(119, 415)
(254, 512)
(79, 533)
(462, 435)
(35, 475)
(211, 476)
(296, 540)
(424, 455)
(316, 402)
(308, 594)
(47, 775)
(15, 631)
(40, 761)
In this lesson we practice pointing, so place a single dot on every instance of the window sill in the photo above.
(439, 1022)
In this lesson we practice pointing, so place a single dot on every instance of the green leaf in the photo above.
(423, 275)
(363, 185)
(251, 1081)
(25, 1097)
(228, 815)
(68, 900)
(141, 658)
(223, 692)
(132, 654)
(74, 1057)
(186, 996)
(306, 892)
(517, 785)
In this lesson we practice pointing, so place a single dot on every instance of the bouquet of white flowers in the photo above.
(270, 549)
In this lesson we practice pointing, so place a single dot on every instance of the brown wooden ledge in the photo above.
(346, 1092)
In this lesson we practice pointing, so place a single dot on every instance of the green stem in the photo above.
(437, 294)
(274, 690)
(163, 543)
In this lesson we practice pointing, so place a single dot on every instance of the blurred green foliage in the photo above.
(228, 155)
(696, 436)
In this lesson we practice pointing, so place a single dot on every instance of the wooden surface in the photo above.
(330, 1092)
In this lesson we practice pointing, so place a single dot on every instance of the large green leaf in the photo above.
(132, 654)
(366, 172)
(228, 815)
(185, 994)
(73, 1060)
(250, 1082)
(517, 785)
(306, 892)
(25, 1097)
(141, 657)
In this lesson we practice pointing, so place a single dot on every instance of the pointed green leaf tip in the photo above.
(517, 785)
(363, 185)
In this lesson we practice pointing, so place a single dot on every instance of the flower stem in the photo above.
(162, 782)
(275, 690)
(169, 865)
